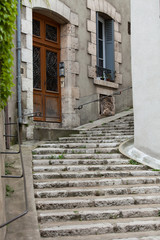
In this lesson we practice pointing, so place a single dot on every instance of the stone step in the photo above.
(60, 183)
(79, 156)
(103, 213)
(61, 168)
(78, 145)
(113, 138)
(76, 151)
(109, 128)
(92, 141)
(107, 201)
(151, 235)
(108, 134)
(81, 162)
(94, 174)
(99, 227)
(94, 191)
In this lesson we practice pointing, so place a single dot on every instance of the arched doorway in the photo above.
(46, 58)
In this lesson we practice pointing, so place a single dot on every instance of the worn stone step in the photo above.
(81, 162)
(103, 213)
(95, 140)
(51, 168)
(102, 134)
(110, 128)
(60, 183)
(79, 156)
(105, 130)
(99, 227)
(94, 191)
(113, 138)
(78, 145)
(107, 201)
(151, 235)
(95, 174)
(74, 151)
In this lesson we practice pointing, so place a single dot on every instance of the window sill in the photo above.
(106, 83)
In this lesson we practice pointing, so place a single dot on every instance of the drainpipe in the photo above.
(19, 60)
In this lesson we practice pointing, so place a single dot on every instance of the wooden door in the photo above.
(46, 58)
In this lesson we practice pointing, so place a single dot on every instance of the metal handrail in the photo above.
(21, 176)
(99, 100)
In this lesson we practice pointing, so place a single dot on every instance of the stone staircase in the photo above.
(86, 190)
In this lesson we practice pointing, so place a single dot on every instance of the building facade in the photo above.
(72, 53)
(146, 75)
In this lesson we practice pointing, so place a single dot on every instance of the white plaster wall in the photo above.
(145, 40)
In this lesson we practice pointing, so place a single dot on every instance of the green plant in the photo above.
(156, 170)
(7, 172)
(8, 12)
(9, 190)
(7, 164)
(61, 156)
(159, 213)
(133, 162)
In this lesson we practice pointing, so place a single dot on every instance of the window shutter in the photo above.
(109, 39)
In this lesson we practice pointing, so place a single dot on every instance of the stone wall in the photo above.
(2, 186)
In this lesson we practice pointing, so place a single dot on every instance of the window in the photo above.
(105, 48)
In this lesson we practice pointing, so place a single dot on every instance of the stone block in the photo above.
(27, 84)
(26, 26)
(116, 26)
(117, 46)
(60, 7)
(101, 5)
(117, 36)
(66, 12)
(68, 54)
(118, 57)
(118, 17)
(45, 4)
(93, 61)
(91, 72)
(117, 67)
(93, 38)
(92, 48)
(96, 5)
(70, 120)
(75, 68)
(91, 4)
(74, 19)
(91, 26)
(68, 29)
(27, 3)
(111, 11)
(93, 16)
(29, 71)
(29, 43)
(119, 78)
(28, 14)
(26, 55)
(105, 6)
(75, 43)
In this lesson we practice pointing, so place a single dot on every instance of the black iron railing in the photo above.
(102, 98)
(105, 74)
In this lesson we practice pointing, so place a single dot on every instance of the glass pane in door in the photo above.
(51, 71)
(36, 68)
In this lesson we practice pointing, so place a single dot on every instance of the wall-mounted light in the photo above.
(61, 69)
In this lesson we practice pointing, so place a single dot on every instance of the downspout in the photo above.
(19, 61)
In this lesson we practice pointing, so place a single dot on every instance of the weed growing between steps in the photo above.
(133, 162)
(9, 190)
(7, 168)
